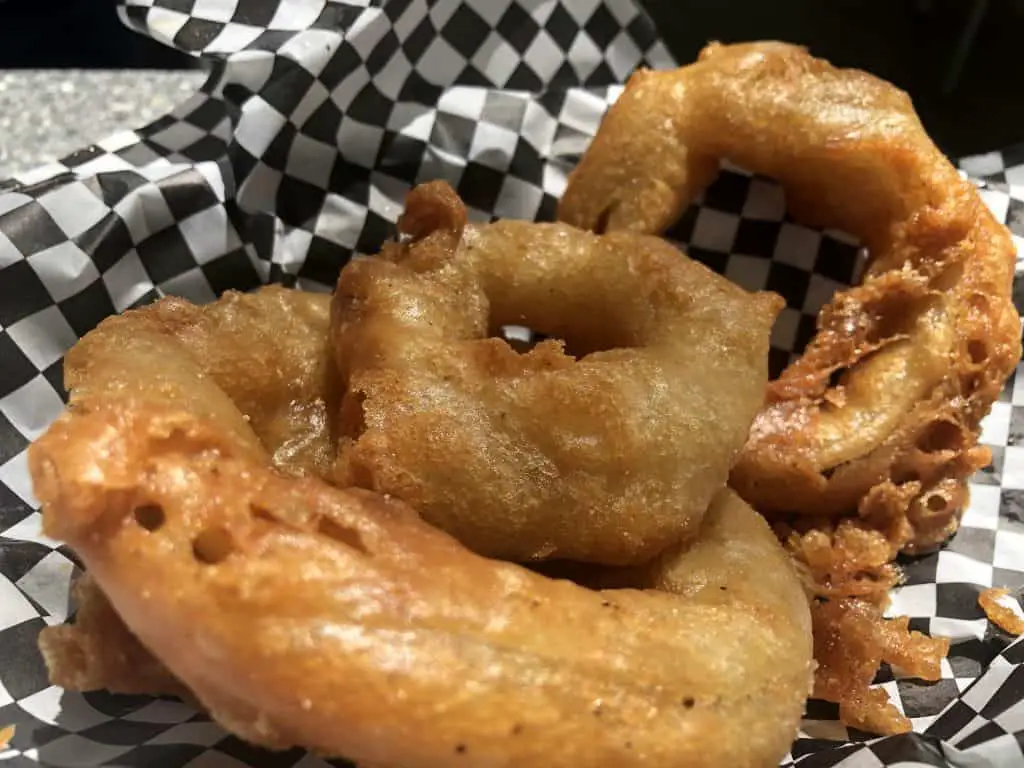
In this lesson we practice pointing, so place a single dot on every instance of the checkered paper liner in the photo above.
(316, 120)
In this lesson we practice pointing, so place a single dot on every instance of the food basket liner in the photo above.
(315, 121)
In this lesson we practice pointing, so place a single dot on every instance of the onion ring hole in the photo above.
(522, 339)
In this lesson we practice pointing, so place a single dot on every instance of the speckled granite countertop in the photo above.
(45, 114)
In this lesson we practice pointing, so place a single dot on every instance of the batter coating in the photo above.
(267, 349)
(887, 398)
(339, 621)
(607, 450)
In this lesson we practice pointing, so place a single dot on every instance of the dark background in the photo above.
(961, 60)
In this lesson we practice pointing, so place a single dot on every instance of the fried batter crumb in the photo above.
(1002, 609)
(848, 568)
(851, 640)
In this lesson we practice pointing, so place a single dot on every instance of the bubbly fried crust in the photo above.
(324, 608)
(257, 364)
(607, 458)
(339, 621)
(737, 557)
(923, 345)
(851, 640)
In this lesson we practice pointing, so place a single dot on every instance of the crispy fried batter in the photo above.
(997, 603)
(607, 458)
(923, 345)
(851, 640)
(339, 621)
(867, 440)
(847, 559)
(258, 364)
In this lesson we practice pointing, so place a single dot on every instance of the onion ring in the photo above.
(608, 458)
(921, 348)
(267, 349)
(339, 621)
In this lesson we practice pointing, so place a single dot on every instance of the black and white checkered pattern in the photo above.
(316, 120)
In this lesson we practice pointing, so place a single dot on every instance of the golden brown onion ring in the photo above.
(607, 458)
(257, 364)
(921, 348)
(339, 621)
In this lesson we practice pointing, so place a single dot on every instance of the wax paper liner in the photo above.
(298, 151)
